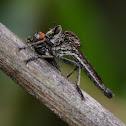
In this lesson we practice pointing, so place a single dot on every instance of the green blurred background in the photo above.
(100, 25)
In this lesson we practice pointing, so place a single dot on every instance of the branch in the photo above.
(49, 86)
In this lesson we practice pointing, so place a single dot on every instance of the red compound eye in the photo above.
(41, 36)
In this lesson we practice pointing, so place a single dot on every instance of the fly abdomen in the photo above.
(87, 67)
(91, 73)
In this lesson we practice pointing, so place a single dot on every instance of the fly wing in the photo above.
(88, 68)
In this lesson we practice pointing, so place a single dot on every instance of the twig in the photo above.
(49, 86)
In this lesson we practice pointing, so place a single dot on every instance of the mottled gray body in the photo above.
(67, 43)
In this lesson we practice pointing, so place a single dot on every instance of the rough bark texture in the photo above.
(49, 86)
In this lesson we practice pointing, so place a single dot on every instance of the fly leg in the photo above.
(32, 44)
(68, 61)
(72, 72)
(39, 56)
(45, 40)
(78, 83)
(73, 63)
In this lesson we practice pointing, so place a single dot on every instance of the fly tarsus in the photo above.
(78, 83)
(21, 48)
(80, 92)
(31, 59)
(108, 93)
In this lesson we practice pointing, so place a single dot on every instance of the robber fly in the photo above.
(68, 44)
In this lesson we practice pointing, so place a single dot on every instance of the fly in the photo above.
(67, 43)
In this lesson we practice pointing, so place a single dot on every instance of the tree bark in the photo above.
(49, 86)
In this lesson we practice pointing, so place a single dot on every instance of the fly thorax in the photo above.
(56, 40)
(55, 35)
(71, 38)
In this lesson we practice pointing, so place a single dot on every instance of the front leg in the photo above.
(28, 39)
(39, 56)
(32, 44)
